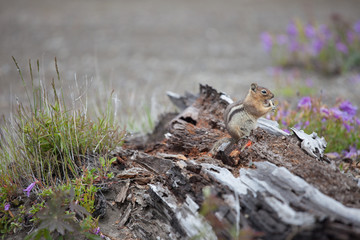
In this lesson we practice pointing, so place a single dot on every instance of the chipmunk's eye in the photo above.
(264, 91)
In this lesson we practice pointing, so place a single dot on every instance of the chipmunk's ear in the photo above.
(253, 87)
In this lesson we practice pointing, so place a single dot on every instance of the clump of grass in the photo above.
(338, 124)
(50, 142)
(47, 145)
(140, 119)
(332, 49)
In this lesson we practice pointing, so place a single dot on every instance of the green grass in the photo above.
(50, 143)
(139, 119)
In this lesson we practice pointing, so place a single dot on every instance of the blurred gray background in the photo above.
(141, 49)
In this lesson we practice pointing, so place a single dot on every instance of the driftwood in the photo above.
(170, 187)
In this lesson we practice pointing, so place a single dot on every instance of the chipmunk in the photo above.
(241, 116)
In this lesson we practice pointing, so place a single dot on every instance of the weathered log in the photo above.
(273, 187)
(312, 144)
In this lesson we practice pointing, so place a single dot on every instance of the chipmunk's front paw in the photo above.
(270, 104)
(273, 107)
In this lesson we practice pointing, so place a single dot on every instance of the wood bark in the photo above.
(172, 188)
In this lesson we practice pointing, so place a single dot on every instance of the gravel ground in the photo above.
(141, 49)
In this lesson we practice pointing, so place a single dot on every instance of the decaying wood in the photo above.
(121, 196)
(270, 190)
(312, 144)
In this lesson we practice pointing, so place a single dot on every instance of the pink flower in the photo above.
(96, 231)
(306, 123)
(350, 37)
(29, 188)
(346, 106)
(317, 45)
(281, 114)
(298, 125)
(7, 207)
(341, 115)
(304, 102)
(357, 120)
(356, 27)
(286, 130)
(309, 31)
(341, 47)
(325, 111)
(292, 30)
(294, 46)
(325, 32)
(353, 152)
(348, 127)
(266, 41)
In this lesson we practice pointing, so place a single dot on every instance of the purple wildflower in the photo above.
(304, 102)
(325, 111)
(306, 123)
(356, 27)
(97, 231)
(350, 37)
(292, 30)
(281, 113)
(341, 47)
(266, 41)
(29, 188)
(317, 45)
(286, 130)
(357, 120)
(309, 31)
(294, 46)
(282, 39)
(341, 114)
(298, 125)
(347, 107)
(325, 32)
(353, 152)
(7, 207)
(286, 113)
(337, 113)
(348, 127)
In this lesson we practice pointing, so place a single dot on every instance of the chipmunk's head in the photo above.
(261, 94)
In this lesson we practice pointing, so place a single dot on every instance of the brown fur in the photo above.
(255, 101)
(240, 117)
